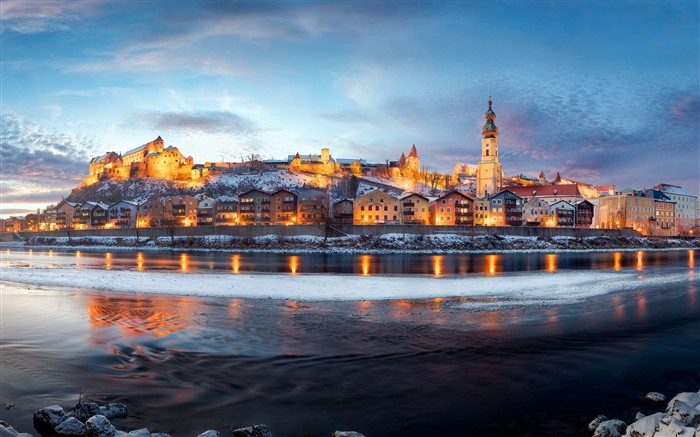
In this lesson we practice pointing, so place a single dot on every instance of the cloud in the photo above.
(34, 158)
(101, 91)
(44, 16)
(201, 122)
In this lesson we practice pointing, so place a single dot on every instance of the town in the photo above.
(322, 190)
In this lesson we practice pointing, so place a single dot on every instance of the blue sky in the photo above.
(603, 92)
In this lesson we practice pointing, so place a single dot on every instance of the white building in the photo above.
(686, 207)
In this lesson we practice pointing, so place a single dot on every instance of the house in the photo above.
(64, 214)
(549, 193)
(452, 209)
(254, 207)
(314, 206)
(90, 215)
(14, 224)
(627, 211)
(206, 210)
(123, 214)
(665, 213)
(564, 214)
(505, 209)
(150, 213)
(179, 211)
(283, 207)
(585, 211)
(376, 207)
(343, 211)
(686, 206)
(536, 212)
(415, 209)
(226, 211)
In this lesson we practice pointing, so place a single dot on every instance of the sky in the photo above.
(603, 92)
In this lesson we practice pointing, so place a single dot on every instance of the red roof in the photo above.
(414, 152)
(546, 190)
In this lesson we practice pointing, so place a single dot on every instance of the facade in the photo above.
(321, 164)
(206, 211)
(489, 174)
(415, 209)
(686, 207)
(343, 211)
(536, 212)
(254, 207)
(64, 215)
(505, 209)
(14, 224)
(564, 214)
(226, 211)
(665, 218)
(627, 211)
(585, 213)
(452, 209)
(90, 215)
(313, 207)
(376, 207)
(283, 207)
(179, 211)
(123, 214)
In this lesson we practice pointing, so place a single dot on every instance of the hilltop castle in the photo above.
(152, 160)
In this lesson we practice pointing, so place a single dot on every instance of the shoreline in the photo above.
(385, 244)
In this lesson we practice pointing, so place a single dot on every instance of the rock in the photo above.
(597, 421)
(645, 426)
(672, 427)
(7, 431)
(210, 433)
(347, 434)
(99, 426)
(655, 397)
(639, 416)
(253, 431)
(71, 427)
(86, 410)
(47, 418)
(610, 428)
(690, 398)
(685, 413)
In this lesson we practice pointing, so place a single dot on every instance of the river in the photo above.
(184, 364)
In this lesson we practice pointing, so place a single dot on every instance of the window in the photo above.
(362, 208)
(442, 209)
(396, 208)
(386, 208)
(385, 217)
(376, 208)
(444, 201)
(449, 209)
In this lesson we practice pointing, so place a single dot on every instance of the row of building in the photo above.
(652, 212)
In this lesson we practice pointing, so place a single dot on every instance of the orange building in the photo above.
(452, 209)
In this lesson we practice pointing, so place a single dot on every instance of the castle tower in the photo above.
(489, 174)
(325, 155)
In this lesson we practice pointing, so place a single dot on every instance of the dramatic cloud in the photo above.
(204, 122)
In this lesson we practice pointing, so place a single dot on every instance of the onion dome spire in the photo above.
(489, 130)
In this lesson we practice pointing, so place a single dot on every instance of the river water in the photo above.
(400, 367)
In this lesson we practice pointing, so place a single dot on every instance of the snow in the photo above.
(480, 292)
(267, 181)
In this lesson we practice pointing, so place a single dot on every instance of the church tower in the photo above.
(489, 174)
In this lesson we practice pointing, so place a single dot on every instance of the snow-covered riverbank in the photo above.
(388, 243)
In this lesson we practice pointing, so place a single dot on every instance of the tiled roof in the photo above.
(546, 191)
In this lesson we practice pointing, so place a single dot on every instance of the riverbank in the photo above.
(387, 243)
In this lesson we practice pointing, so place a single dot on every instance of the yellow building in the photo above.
(376, 207)
(628, 211)
(415, 209)
(489, 173)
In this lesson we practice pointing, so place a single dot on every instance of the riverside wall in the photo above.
(338, 230)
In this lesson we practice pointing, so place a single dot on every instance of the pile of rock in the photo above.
(680, 419)
(91, 419)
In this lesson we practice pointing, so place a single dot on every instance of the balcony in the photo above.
(265, 201)
(289, 202)
(409, 213)
(409, 203)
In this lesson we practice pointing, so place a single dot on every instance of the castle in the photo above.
(152, 160)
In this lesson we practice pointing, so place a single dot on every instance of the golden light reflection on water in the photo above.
(691, 258)
(50, 252)
(293, 264)
(640, 260)
(619, 308)
(491, 264)
(78, 254)
(156, 317)
(551, 262)
(617, 261)
(236, 264)
(108, 261)
(437, 265)
(364, 305)
(641, 304)
(31, 251)
(139, 261)
(365, 262)
(235, 307)
(184, 262)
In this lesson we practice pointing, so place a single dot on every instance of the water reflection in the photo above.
(293, 264)
(184, 262)
(640, 260)
(139, 261)
(236, 264)
(108, 261)
(691, 258)
(641, 299)
(551, 260)
(365, 262)
(491, 263)
(617, 261)
(437, 265)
